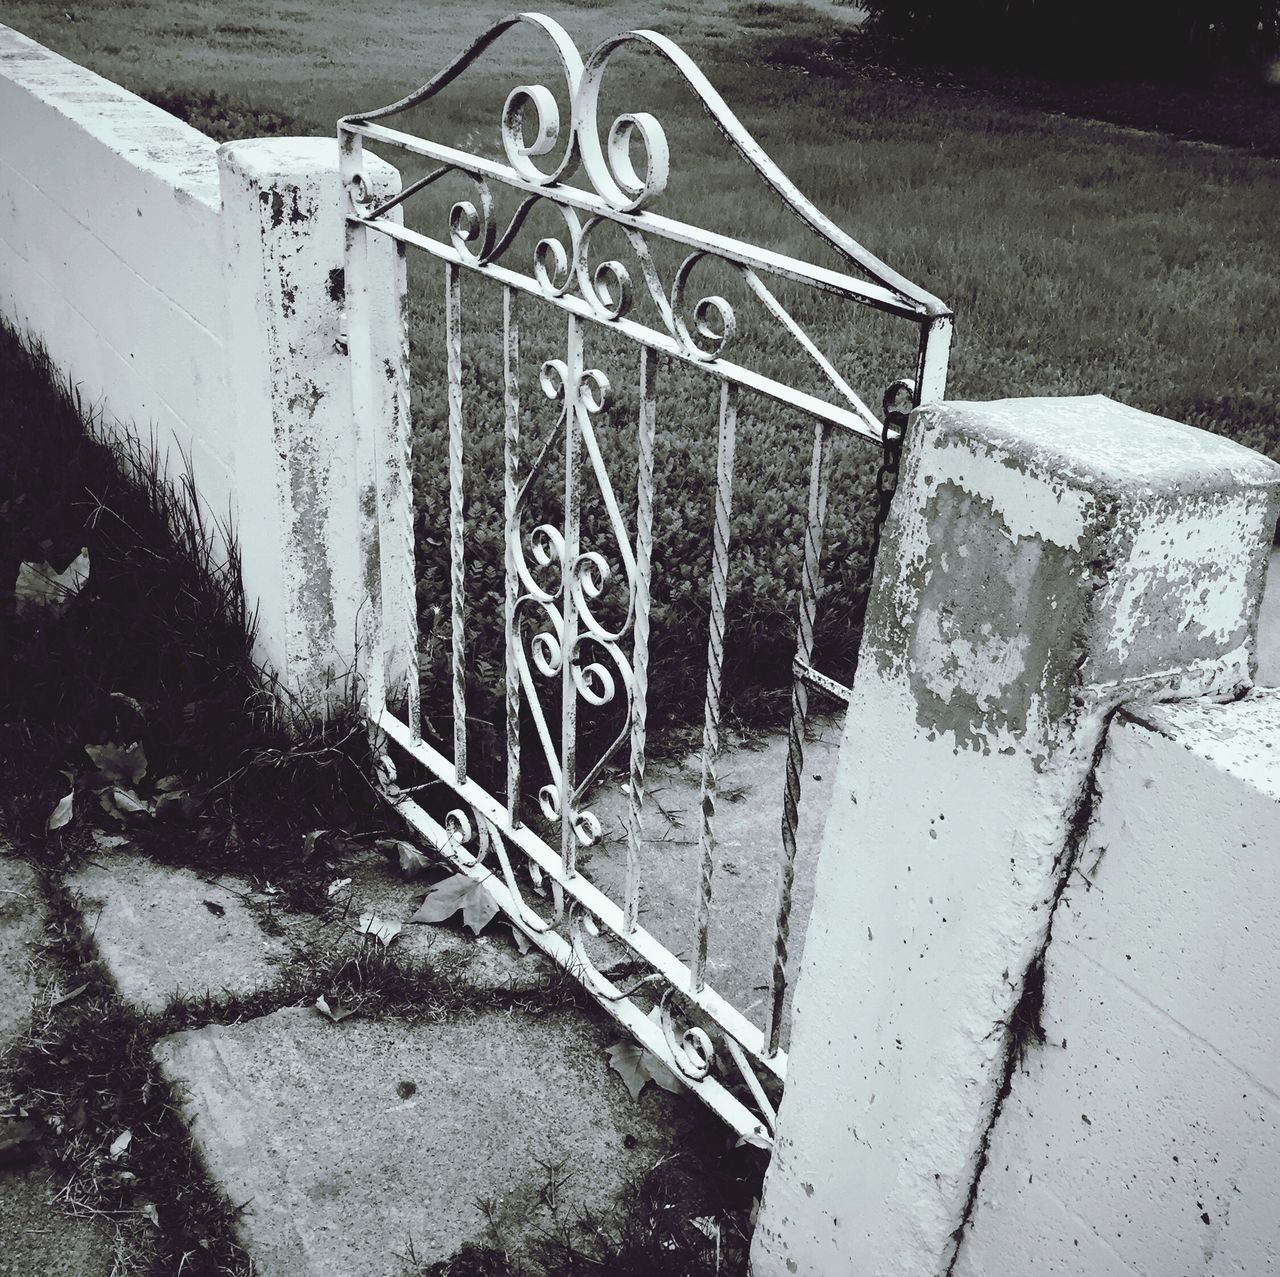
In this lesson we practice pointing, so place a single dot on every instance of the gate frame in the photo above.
(620, 194)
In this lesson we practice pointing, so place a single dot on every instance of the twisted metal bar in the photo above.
(511, 488)
(640, 628)
(453, 341)
(572, 529)
(810, 583)
(763, 1103)
(715, 668)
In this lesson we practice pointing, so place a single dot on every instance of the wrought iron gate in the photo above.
(550, 625)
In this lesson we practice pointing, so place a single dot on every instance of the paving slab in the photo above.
(347, 1143)
(21, 921)
(37, 1238)
(747, 871)
(164, 932)
(378, 886)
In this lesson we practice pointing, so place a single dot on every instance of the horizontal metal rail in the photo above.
(723, 246)
(578, 888)
(864, 424)
(815, 678)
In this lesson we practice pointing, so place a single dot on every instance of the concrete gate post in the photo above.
(299, 485)
(1044, 562)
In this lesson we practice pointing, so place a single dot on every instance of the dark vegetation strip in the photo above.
(156, 648)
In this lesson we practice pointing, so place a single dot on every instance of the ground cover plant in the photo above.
(1079, 259)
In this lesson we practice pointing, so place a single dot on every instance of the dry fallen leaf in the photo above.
(178, 804)
(454, 893)
(131, 703)
(383, 929)
(120, 1145)
(68, 997)
(337, 885)
(522, 941)
(412, 861)
(708, 1226)
(335, 1013)
(386, 770)
(122, 804)
(119, 764)
(637, 1065)
(39, 586)
(62, 813)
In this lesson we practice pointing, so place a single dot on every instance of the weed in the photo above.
(220, 117)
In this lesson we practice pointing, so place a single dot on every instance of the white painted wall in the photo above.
(1143, 1137)
(110, 253)
(1044, 562)
(194, 294)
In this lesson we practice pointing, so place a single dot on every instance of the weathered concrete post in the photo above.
(1045, 561)
(299, 485)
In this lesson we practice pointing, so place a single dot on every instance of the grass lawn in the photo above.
(1079, 258)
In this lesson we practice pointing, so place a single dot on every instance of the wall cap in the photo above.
(1093, 435)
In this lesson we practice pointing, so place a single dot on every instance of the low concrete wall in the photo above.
(1143, 1136)
(110, 253)
(194, 293)
(1045, 562)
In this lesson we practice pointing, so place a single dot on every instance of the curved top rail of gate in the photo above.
(540, 164)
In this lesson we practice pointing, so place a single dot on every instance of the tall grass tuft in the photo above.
(158, 646)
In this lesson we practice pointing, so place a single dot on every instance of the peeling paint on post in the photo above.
(1044, 562)
(299, 503)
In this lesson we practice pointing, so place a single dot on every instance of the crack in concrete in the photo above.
(1025, 1020)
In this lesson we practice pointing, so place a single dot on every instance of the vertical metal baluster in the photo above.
(453, 343)
(715, 667)
(931, 364)
(640, 630)
(405, 504)
(511, 479)
(572, 520)
(810, 583)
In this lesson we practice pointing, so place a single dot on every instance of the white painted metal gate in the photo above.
(554, 638)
